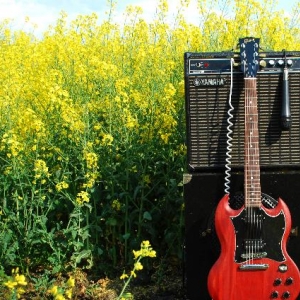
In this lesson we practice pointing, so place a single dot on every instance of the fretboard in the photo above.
(252, 167)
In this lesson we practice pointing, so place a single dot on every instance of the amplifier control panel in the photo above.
(269, 62)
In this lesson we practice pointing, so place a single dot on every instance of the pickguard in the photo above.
(267, 236)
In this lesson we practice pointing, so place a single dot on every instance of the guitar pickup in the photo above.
(255, 255)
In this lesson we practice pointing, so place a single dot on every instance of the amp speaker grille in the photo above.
(207, 108)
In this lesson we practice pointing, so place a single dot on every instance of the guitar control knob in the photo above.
(289, 281)
(277, 281)
(274, 295)
(286, 295)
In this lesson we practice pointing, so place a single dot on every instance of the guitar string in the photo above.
(252, 159)
(256, 212)
(248, 137)
(249, 174)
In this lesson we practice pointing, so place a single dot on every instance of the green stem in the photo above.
(128, 280)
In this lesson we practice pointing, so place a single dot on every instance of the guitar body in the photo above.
(271, 274)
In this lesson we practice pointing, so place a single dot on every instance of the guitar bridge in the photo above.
(253, 267)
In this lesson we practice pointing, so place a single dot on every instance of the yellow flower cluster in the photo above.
(146, 250)
(65, 292)
(61, 186)
(16, 283)
(82, 197)
(11, 144)
(91, 82)
(107, 139)
(91, 174)
(116, 205)
(91, 159)
(40, 169)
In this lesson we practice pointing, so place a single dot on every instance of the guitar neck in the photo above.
(252, 167)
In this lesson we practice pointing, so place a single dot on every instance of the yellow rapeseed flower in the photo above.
(59, 297)
(68, 293)
(107, 139)
(137, 254)
(20, 291)
(82, 197)
(123, 276)
(132, 273)
(54, 290)
(71, 282)
(20, 279)
(61, 186)
(10, 284)
(138, 266)
(116, 205)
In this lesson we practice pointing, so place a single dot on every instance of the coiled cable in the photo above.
(229, 134)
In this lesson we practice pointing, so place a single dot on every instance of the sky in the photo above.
(45, 12)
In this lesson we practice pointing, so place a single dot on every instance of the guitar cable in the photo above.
(229, 134)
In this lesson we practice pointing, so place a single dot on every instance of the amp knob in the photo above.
(263, 63)
(271, 62)
(286, 295)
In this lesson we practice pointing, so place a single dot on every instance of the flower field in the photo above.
(92, 138)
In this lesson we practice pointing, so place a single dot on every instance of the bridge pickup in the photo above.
(255, 255)
(253, 267)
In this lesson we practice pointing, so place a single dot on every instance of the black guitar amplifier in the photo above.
(211, 79)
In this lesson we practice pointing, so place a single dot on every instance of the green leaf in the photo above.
(111, 222)
(126, 236)
(99, 251)
(81, 255)
(147, 216)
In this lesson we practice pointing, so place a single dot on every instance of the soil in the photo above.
(145, 287)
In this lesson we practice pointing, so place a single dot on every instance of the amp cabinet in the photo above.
(211, 79)
(202, 191)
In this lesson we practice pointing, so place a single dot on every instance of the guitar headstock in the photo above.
(249, 48)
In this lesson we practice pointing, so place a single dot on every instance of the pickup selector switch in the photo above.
(289, 281)
(286, 295)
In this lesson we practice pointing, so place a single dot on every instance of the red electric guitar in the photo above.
(254, 263)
